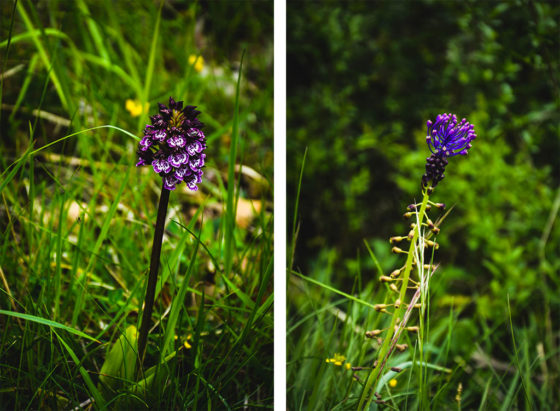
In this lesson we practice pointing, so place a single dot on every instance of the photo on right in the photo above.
(423, 197)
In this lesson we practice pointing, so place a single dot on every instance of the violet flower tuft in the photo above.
(446, 138)
(174, 145)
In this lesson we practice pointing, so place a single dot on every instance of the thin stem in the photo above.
(375, 374)
(152, 278)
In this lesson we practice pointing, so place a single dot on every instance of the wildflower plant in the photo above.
(174, 146)
(446, 137)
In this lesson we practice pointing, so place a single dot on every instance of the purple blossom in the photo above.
(446, 138)
(169, 182)
(159, 135)
(174, 144)
(194, 148)
(182, 172)
(178, 159)
(145, 143)
(161, 166)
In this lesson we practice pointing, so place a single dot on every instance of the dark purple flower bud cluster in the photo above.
(174, 145)
(446, 138)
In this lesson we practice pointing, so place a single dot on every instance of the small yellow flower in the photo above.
(336, 360)
(198, 62)
(134, 107)
(393, 383)
(187, 345)
(348, 366)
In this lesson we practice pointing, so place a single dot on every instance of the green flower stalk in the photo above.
(446, 138)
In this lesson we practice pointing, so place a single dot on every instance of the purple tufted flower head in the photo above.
(174, 145)
(446, 138)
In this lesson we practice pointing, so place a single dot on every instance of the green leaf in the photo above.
(119, 366)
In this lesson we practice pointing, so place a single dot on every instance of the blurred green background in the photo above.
(363, 79)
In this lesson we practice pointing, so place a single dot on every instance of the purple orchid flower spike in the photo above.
(173, 140)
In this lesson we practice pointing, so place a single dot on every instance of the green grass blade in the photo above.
(296, 208)
(150, 67)
(177, 306)
(231, 194)
(332, 289)
(91, 386)
(48, 323)
(44, 55)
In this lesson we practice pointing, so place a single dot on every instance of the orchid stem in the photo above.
(152, 278)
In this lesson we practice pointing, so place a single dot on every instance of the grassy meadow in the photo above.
(363, 79)
(79, 80)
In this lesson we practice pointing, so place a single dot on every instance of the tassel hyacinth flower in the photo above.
(174, 145)
(446, 138)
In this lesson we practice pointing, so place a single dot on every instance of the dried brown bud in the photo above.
(413, 329)
(373, 333)
(394, 288)
(396, 239)
(401, 347)
(385, 279)
(395, 273)
(430, 243)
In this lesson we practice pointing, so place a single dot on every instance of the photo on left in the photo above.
(136, 211)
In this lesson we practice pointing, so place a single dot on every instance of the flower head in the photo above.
(174, 145)
(446, 138)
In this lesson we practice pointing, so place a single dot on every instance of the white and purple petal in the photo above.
(160, 135)
(182, 172)
(194, 148)
(169, 182)
(180, 140)
(145, 143)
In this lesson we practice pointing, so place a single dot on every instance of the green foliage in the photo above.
(77, 217)
(363, 79)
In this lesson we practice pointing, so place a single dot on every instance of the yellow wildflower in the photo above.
(187, 345)
(198, 62)
(336, 360)
(348, 366)
(134, 107)
(393, 383)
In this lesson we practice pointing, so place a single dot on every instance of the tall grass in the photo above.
(77, 217)
(326, 318)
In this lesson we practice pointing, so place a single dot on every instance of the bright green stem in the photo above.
(373, 377)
